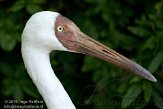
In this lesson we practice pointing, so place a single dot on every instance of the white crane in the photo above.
(46, 31)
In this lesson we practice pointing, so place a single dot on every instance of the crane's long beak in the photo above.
(74, 40)
(89, 46)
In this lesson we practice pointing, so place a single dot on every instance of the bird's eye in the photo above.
(59, 28)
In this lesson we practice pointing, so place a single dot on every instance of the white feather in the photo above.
(38, 40)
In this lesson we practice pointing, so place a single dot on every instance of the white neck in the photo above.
(39, 68)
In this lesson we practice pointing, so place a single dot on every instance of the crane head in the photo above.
(51, 31)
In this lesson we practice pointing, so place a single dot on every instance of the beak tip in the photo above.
(150, 77)
(153, 79)
(144, 73)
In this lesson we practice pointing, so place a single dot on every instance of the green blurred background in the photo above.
(133, 28)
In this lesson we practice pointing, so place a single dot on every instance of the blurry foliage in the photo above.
(131, 27)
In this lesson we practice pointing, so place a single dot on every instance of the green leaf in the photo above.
(8, 87)
(32, 8)
(156, 62)
(149, 44)
(6, 69)
(18, 5)
(147, 87)
(7, 41)
(18, 92)
(30, 89)
(158, 100)
(38, 1)
(132, 93)
(159, 87)
(140, 31)
(135, 79)
(89, 64)
(11, 87)
(158, 6)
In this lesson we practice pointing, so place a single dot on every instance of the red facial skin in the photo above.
(74, 40)
(68, 36)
